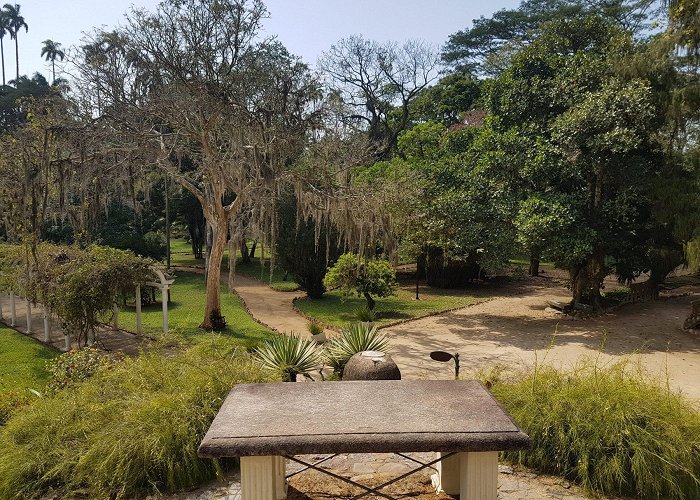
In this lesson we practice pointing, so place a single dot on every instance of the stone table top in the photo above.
(360, 417)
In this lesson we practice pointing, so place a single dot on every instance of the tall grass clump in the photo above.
(612, 430)
(125, 431)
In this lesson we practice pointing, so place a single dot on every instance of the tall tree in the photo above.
(377, 83)
(4, 30)
(486, 47)
(52, 50)
(15, 22)
(195, 80)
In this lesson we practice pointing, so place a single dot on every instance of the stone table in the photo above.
(263, 423)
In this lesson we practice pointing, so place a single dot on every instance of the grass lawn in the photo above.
(182, 256)
(186, 310)
(335, 310)
(524, 263)
(22, 362)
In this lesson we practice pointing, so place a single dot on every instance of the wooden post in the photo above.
(13, 309)
(258, 478)
(164, 300)
(29, 317)
(479, 476)
(138, 310)
(47, 324)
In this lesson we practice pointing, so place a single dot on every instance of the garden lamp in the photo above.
(444, 357)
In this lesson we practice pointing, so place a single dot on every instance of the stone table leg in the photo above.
(446, 479)
(479, 475)
(260, 478)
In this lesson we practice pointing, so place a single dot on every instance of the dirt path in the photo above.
(271, 307)
(516, 330)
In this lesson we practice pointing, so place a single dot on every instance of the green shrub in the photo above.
(357, 337)
(78, 365)
(124, 432)
(289, 356)
(365, 315)
(367, 278)
(11, 401)
(315, 327)
(612, 430)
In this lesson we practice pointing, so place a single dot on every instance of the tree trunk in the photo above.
(587, 280)
(17, 59)
(252, 249)
(370, 301)
(53, 70)
(245, 255)
(2, 56)
(534, 263)
(212, 310)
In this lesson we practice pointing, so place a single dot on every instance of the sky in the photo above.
(306, 27)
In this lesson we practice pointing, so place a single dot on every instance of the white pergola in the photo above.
(162, 283)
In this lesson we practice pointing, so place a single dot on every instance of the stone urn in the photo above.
(371, 365)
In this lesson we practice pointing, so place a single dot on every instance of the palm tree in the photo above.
(52, 50)
(4, 30)
(15, 23)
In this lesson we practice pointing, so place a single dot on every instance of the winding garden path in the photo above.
(514, 330)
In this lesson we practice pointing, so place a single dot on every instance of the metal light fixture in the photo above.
(444, 357)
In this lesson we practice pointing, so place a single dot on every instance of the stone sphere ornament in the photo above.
(371, 365)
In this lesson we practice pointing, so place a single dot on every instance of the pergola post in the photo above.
(164, 301)
(29, 316)
(13, 309)
(164, 285)
(139, 328)
(47, 324)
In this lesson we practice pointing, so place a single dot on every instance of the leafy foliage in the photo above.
(372, 277)
(356, 337)
(78, 365)
(78, 285)
(289, 356)
(107, 438)
(610, 429)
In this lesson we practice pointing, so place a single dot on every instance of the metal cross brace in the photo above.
(368, 490)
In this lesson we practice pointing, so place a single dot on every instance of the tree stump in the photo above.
(371, 365)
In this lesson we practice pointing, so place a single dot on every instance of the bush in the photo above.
(289, 356)
(315, 327)
(124, 432)
(366, 278)
(611, 430)
(357, 337)
(78, 365)
(365, 315)
(11, 401)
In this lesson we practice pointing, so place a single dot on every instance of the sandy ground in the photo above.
(515, 330)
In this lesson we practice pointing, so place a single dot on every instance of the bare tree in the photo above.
(377, 83)
(195, 80)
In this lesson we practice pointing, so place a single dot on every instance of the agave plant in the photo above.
(289, 356)
(357, 337)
